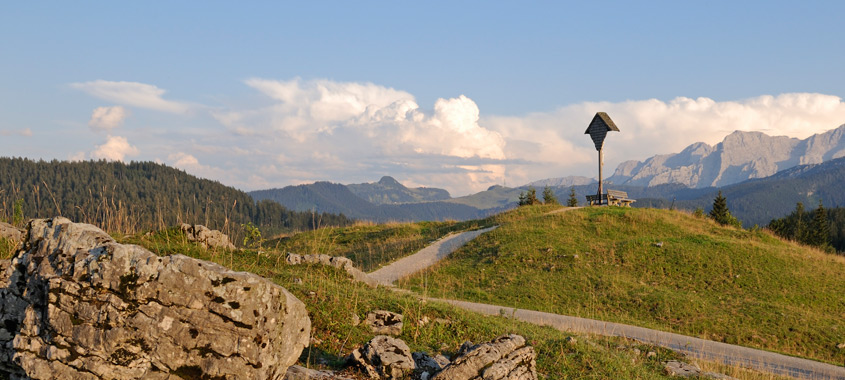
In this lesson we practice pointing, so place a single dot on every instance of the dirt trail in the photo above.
(425, 258)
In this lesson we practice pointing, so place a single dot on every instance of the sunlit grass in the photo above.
(725, 284)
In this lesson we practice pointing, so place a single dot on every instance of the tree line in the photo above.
(126, 198)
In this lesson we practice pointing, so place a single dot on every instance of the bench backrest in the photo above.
(617, 194)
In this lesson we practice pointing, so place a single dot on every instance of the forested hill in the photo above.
(141, 195)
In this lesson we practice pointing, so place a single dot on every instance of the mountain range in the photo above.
(762, 176)
(739, 157)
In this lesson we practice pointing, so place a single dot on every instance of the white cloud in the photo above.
(116, 148)
(107, 118)
(132, 94)
(649, 127)
(335, 128)
(26, 132)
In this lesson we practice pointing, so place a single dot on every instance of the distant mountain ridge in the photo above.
(389, 191)
(324, 196)
(739, 157)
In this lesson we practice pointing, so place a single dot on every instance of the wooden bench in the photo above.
(595, 199)
(619, 198)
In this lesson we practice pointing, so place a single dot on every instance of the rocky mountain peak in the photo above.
(389, 181)
(740, 156)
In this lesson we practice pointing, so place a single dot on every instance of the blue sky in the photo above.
(460, 95)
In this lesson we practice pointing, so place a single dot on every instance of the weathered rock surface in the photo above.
(427, 365)
(681, 369)
(296, 372)
(208, 238)
(384, 322)
(506, 357)
(77, 305)
(8, 231)
(384, 357)
(339, 262)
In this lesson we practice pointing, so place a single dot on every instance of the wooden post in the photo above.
(601, 163)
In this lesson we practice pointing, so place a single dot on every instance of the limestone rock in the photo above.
(74, 304)
(427, 365)
(681, 369)
(384, 322)
(296, 372)
(506, 357)
(208, 238)
(384, 357)
(339, 262)
(10, 232)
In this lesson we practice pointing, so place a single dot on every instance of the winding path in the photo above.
(425, 258)
(700, 348)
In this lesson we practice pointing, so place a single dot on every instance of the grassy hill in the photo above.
(724, 284)
(331, 298)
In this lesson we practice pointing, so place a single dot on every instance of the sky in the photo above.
(459, 95)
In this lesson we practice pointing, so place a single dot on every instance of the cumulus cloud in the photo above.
(334, 127)
(26, 132)
(116, 148)
(354, 132)
(647, 127)
(107, 118)
(134, 94)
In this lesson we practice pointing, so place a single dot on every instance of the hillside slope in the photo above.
(735, 286)
(141, 195)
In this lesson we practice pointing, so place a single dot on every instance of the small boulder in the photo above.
(384, 357)
(206, 237)
(10, 232)
(429, 364)
(681, 369)
(296, 372)
(504, 358)
(384, 322)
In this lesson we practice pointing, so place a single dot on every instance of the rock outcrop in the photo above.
(504, 358)
(384, 357)
(339, 262)
(74, 304)
(206, 237)
(10, 232)
(384, 322)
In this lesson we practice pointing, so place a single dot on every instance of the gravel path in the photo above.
(695, 347)
(425, 258)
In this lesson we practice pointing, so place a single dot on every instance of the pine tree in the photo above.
(798, 232)
(719, 212)
(531, 197)
(549, 197)
(819, 235)
(573, 201)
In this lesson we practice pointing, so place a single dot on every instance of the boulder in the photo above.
(74, 304)
(206, 237)
(384, 322)
(384, 357)
(10, 232)
(506, 357)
